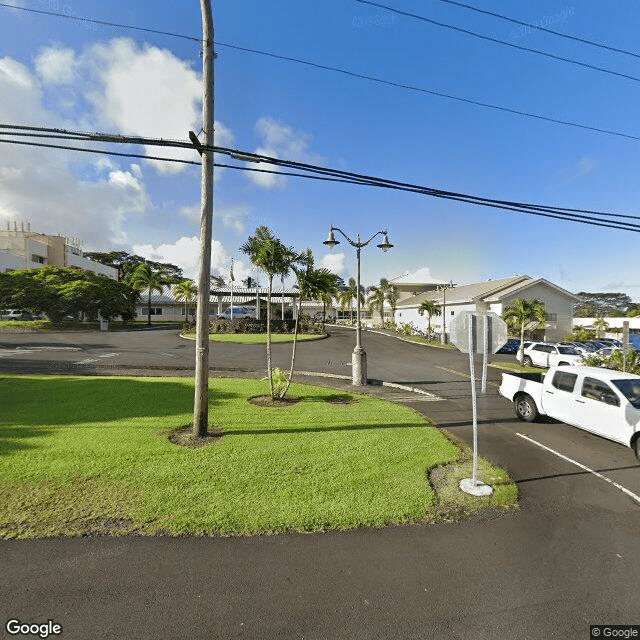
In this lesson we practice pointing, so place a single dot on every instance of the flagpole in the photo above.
(231, 274)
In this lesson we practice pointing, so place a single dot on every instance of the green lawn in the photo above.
(515, 366)
(431, 343)
(91, 454)
(256, 338)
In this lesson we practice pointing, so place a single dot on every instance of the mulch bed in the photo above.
(268, 401)
(183, 437)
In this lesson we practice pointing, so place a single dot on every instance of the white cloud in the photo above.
(280, 141)
(422, 275)
(185, 253)
(334, 262)
(56, 65)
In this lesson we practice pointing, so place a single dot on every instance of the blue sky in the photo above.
(56, 72)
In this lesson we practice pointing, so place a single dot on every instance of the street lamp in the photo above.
(359, 357)
(443, 288)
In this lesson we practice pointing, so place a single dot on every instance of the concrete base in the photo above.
(479, 489)
(359, 367)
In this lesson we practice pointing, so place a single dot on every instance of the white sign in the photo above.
(472, 341)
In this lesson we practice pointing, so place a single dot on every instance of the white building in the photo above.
(493, 295)
(20, 249)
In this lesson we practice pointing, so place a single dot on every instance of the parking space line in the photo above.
(632, 495)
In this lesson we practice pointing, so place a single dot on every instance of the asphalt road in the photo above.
(569, 558)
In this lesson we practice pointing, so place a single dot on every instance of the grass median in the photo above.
(256, 338)
(91, 455)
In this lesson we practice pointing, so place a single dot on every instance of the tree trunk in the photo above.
(293, 350)
(269, 372)
(149, 309)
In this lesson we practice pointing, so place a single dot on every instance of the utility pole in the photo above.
(201, 402)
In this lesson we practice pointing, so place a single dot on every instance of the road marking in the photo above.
(108, 355)
(464, 375)
(632, 495)
(86, 361)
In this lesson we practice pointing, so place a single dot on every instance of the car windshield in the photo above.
(568, 351)
(631, 390)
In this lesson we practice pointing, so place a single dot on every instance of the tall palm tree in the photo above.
(381, 293)
(431, 308)
(143, 277)
(350, 293)
(269, 254)
(391, 296)
(312, 284)
(375, 301)
(521, 313)
(187, 291)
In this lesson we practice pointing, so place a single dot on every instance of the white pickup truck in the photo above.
(602, 401)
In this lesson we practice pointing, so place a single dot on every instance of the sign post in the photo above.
(625, 343)
(464, 334)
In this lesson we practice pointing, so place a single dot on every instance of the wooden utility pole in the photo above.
(201, 403)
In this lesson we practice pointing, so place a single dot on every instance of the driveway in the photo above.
(567, 559)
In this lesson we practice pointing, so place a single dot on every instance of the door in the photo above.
(558, 399)
(598, 408)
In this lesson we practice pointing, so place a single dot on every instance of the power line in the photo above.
(553, 56)
(594, 218)
(361, 76)
(440, 94)
(102, 22)
(539, 28)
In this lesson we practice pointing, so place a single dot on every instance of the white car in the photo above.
(545, 354)
(602, 401)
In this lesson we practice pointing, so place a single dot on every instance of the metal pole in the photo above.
(485, 351)
(358, 357)
(444, 316)
(201, 401)
(474, 408)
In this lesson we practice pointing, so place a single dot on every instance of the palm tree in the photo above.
(600, 325)
(379, 294)
(312, 284)
(391, 297)
(350, 293)
(431, 308)
(375, 301)
(186, 291)
(269, 254)
(143, 277)
(521, 313)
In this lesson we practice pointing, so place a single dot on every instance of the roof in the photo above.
(240, 295)
(487, 291)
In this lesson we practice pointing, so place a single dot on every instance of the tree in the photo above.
(186, 291)
(431, 308)
(269, 254)
(312, 284)
(350, 293)
(600, 325)
(145, 278)
(601, 304)
(521, 313)
(127, 264)
(379, 294)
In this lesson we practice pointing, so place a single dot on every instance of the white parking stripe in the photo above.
(632, 495)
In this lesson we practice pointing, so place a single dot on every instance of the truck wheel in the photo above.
(525, 407)
(527, 361)
(636, 447)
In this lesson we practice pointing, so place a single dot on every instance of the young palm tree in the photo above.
(431, 308)
(312, 284)
(350, 293)
(520, 313)
(391, 296)
(143, 277)
(186, 291)
(375, 301)
(269, 254)
(381, 293)
(600, 325)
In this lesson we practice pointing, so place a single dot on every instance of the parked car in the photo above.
(544, 354)
(238, 312)
(602, 401)
(612, 342)
(510, 346)
(14, 314)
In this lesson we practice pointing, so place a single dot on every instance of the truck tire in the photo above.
(636, 447)
(525, 407)
(527, 361)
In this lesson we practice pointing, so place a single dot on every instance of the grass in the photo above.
(257, 338)
(431, 343)
(32, 324)
(514, 366)
(47, 325)
(86, 455)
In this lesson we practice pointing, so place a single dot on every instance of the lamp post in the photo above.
(443, 288)
(359, 357)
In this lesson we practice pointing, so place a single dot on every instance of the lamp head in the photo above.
(331, 241)
(385, 245)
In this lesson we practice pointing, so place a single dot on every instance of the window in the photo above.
(551, 317)
(37, 258)
(546, 348)
(598, 390)
(155, 311)
(564, 381)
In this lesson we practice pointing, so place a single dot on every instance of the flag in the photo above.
(231, 271)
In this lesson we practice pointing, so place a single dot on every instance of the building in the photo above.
(494, 295)
(20, 249)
